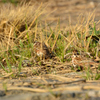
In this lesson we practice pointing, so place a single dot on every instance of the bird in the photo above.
(41, 50)
(82, 61)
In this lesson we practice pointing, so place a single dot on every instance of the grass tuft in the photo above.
(21, 26)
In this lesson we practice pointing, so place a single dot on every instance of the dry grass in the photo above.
(20, 26)
(16, 22)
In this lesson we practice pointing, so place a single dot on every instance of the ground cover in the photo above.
(63, 60)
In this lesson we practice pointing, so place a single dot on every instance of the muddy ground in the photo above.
(66, 84)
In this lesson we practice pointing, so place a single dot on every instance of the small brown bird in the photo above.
(41, 50)
(80, 60)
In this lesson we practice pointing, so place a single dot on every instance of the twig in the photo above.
(6, 76)
(27, 89)
(60, 83)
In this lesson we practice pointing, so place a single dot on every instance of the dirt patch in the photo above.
(70, 12)
(57, 85)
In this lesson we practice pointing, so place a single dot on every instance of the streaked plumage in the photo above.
(41, 50)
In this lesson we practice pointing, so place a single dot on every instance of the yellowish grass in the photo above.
(23, 23)
(15, 22)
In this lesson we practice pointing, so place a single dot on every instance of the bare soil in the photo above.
(50, 81)
(70, 11)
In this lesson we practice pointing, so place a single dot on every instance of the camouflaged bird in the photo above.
(80, 60)
(41, 50)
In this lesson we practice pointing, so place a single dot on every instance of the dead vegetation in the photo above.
(74, 49)
(15, 22)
